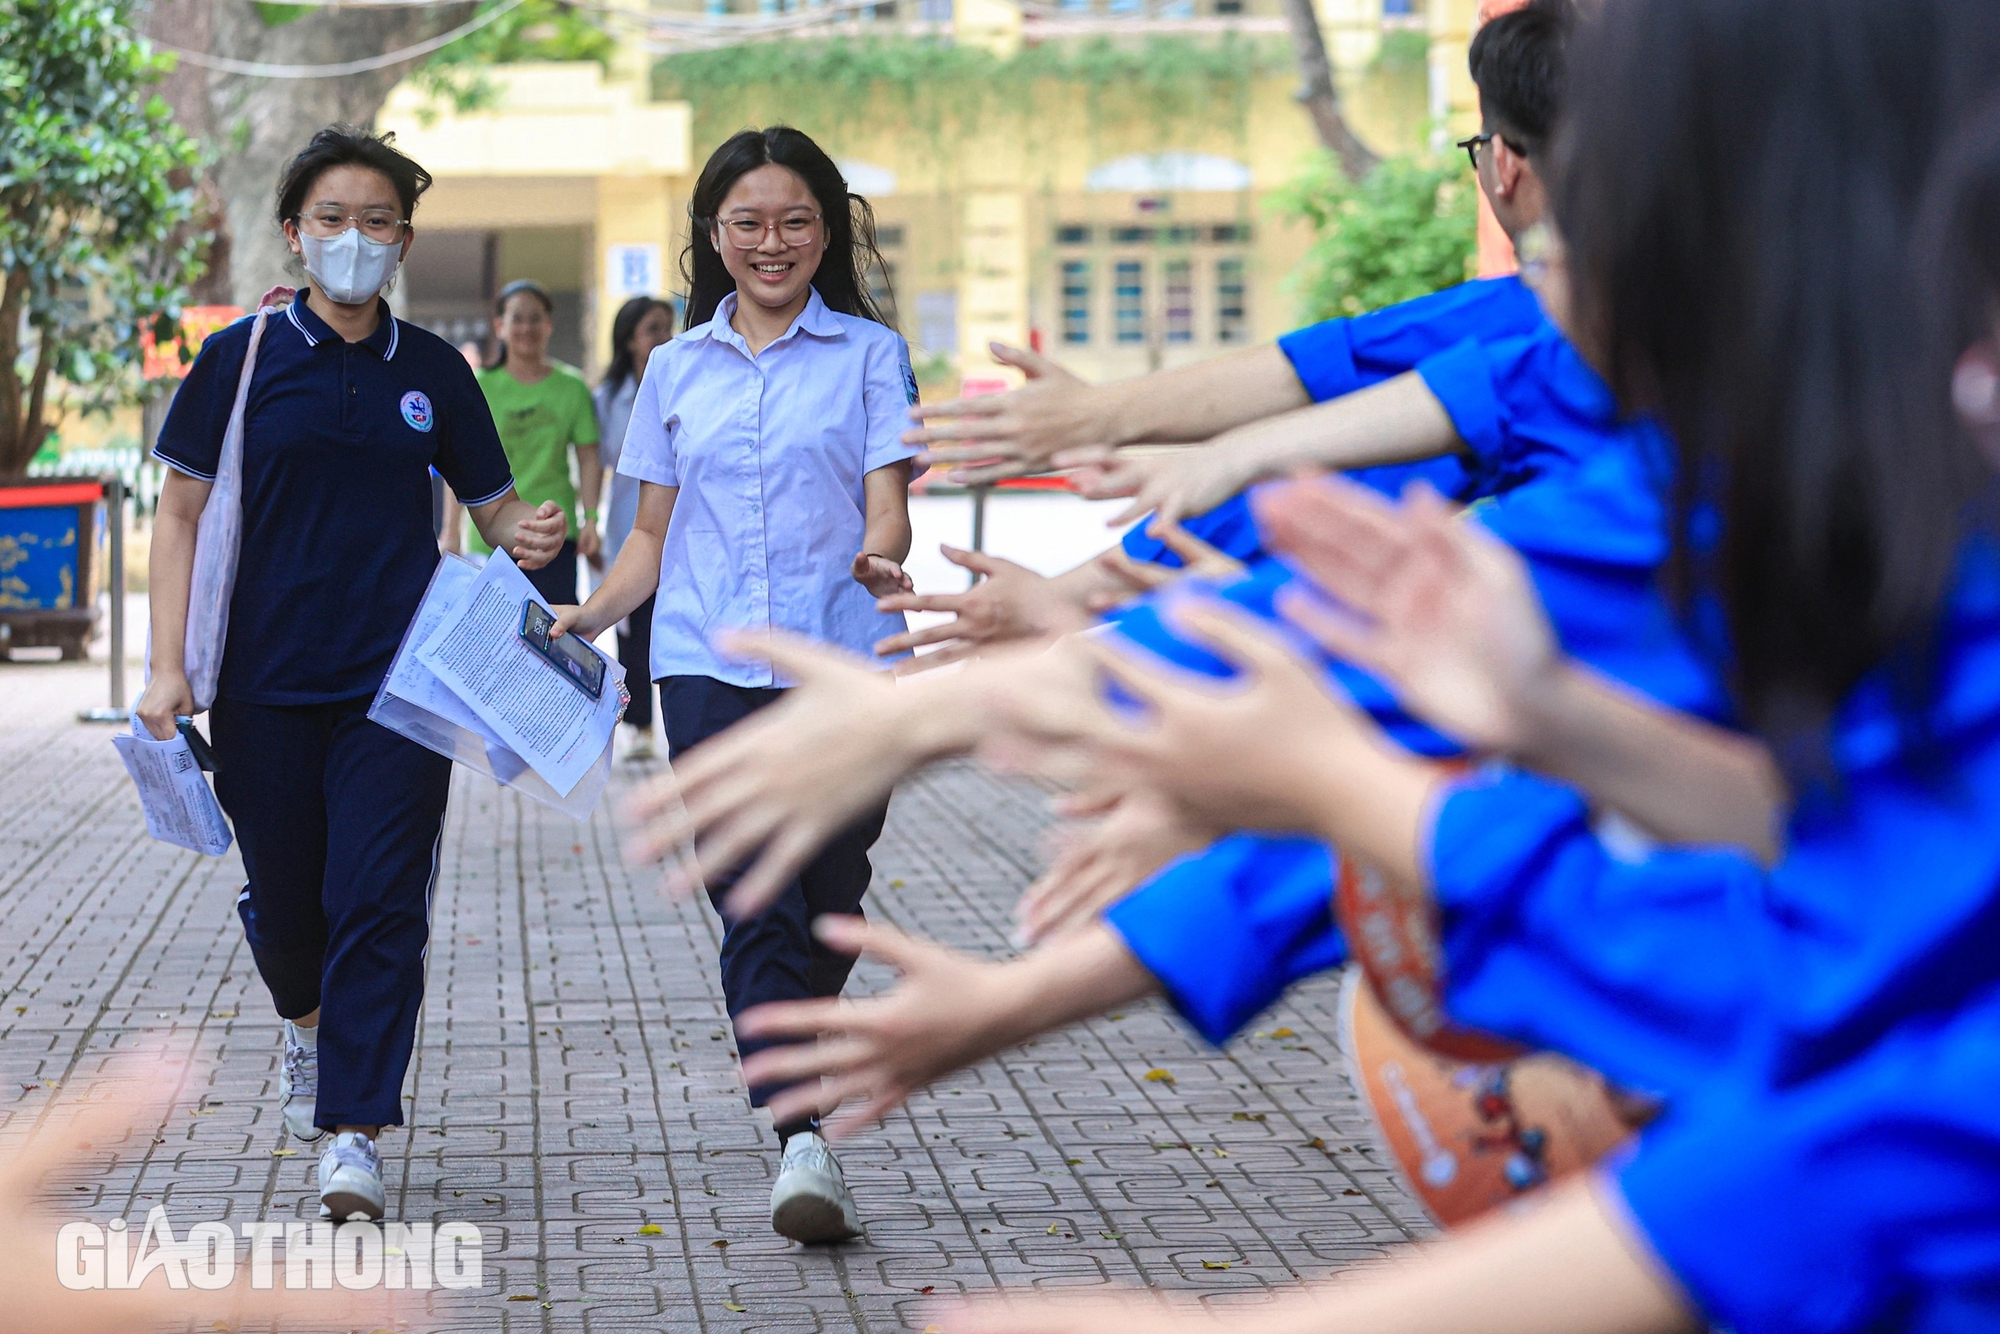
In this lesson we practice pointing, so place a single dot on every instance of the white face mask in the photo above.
(350, 268)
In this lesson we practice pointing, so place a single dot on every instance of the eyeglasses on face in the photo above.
(1474, 144)
(327, 222)
(794, 229)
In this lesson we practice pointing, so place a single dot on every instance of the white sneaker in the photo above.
(350, 1179)
(810, 1202)
(298, 1083)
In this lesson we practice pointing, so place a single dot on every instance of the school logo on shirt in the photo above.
(417, 410)
(910, 384)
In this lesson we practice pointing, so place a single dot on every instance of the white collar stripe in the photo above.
(292, 314)
(394, 335)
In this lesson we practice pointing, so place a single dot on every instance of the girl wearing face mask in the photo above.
(774, 495)
(543, 410)
(642, 324)
(338, 819)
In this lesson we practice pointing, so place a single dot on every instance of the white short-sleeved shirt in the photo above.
(768, 452)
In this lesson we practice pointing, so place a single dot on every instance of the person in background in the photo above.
(774, 498)
(338, 818)
(642, 324)
(543, 410)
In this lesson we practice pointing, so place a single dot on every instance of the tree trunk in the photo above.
(257, 124)
(1318, 94)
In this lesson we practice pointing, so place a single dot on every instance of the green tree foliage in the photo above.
(943, 88)
(94, 213)
(536, 30)
(1405, 231)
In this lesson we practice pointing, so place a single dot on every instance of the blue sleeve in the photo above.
(1227, 930)
(1228, 528)
(1523, 406)
(1865, 1200)
(469, 454)
(191, 438)
(1143, 623)
(1336, 357)
(1639, 969)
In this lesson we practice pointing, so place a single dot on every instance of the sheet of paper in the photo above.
(180, 808)
(475, 650)
(411, 679)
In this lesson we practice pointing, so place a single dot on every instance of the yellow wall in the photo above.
(977, 217)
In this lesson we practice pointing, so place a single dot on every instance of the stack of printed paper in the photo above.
(466, 685)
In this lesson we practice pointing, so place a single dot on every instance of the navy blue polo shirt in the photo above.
(339, 441)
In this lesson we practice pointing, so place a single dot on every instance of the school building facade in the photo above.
(1115, 239)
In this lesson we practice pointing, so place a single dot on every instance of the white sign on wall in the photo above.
(632, 270)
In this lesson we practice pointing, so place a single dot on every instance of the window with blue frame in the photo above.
(1076, 302)
(1128, 301)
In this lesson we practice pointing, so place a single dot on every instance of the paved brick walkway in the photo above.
(574, 1080)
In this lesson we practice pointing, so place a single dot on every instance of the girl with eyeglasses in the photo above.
(338, 819)
(774, 497)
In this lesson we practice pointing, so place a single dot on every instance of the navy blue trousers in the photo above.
(338, 822)
(773, 956)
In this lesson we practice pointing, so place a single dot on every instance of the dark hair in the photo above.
(850, 223)
(508, 293)
(1774, 315)
(1517, 60)
(623, 325)
(344, 145)
(1959, 238)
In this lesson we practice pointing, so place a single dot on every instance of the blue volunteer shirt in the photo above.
(339, 441)
(1519, 395)
(1594, 536)
(1336, 357)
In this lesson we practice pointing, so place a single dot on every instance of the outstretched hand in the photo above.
(1199, 560)
(1438, 607)
(990, 437)
(776, 787)
(1271, 749)
(126, 1106)
(945, 1013)
(1173, 485)
(1101, 864)
(1009, 603)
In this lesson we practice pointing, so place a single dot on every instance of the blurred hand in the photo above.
(776, 786)
(123, 1109)
(880, 575)
(1198, 560)
(1440, 609)
(995, 436)
(539, 537)
(1010, 603)
(1102, 864)
(167, 697)
(589, 543)
(946, 1013)
(1261, 751)
(1173, 486)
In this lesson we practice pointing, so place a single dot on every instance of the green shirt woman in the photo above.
(543, 410)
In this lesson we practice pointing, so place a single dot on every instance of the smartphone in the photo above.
(568, 655)
(204, 758)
